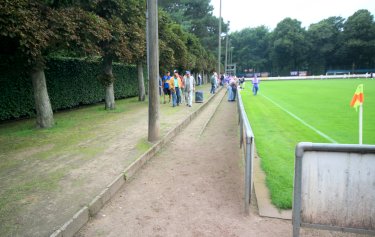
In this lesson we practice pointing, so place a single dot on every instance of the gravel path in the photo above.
(194, 187)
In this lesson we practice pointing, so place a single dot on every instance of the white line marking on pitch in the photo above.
(299, 119)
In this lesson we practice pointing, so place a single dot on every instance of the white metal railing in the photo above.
(248, 147)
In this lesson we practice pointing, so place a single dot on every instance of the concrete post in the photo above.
(153, 42)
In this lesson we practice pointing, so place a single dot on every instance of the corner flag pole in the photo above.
(360, 123)
(357, 101)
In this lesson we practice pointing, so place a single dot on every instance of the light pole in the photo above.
(231, 55)
(226, 54)
(219, 53)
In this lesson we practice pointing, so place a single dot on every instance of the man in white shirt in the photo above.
(189, 88)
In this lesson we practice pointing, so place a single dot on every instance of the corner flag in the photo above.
(356, 102)
(357, 99)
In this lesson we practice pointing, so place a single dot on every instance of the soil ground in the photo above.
(80, 171)
(194, 187)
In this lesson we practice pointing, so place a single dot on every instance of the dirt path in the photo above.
(83, 169)
(194, 187)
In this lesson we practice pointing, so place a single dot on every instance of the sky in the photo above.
(247, 13)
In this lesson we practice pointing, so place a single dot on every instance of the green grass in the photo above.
(33, 161)
(143, 145)
(323, 104)
(37, 163)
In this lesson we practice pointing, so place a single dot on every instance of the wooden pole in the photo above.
(226, 55)
(153, 42)
(219, 53)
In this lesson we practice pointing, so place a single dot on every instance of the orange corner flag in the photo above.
(357, 97)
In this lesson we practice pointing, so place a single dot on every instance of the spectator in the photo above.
(255, 85)
(174, 87)
(160, 86)
(213, 82)
(189, 88)
(232, 89)
(199, 80)
(234, 85)
(166, 90)
(182, 88)
(222, 80)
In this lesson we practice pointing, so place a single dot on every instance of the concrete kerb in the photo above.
(73, 225)
(208, 121)
(79, 219)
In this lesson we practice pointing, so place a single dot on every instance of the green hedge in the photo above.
(70, 83)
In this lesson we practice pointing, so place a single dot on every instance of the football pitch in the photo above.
(285, 113)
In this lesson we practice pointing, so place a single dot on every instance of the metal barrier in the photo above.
(320, 77)
(247, 144)
(334, 188)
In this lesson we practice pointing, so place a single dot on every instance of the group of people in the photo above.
(231, 83)
(179, 88)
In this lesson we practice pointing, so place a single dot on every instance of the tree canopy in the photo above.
(332, 43)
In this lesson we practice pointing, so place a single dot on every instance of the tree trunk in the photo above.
(109, 97)
(44, 114)
(141, 83)
(109, 92)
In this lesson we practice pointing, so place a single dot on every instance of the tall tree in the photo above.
(36, 28)
(173, 51)
(181, 49)
(117, 47)
(289, 46)
(196, 17)
(324, 37)
(359, 38)
(135, 22)
(251, 48)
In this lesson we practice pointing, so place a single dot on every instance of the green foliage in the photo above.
(359, 39)
(181, 49)
(324, 38)
(251, 48)
(332, 43)
(35, 28)
(135, 21)
(70, 82)
(289, 45)
(196, 31)
(105, 79)
(196, 16)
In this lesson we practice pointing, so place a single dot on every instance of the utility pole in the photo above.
(226, 54)
(219, 53)
(153, 68)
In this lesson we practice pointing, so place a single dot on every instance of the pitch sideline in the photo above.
(300, 120)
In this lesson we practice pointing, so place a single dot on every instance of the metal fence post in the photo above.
(247, 175)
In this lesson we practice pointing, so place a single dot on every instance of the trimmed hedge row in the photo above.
(70, 83)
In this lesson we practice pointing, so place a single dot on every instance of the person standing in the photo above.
(213, 82)
(234, 86)
(160, 86)
(230, 87)
(166, 90)
(174, 87)
(189, 88)
(182, 88)
(255, 84)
